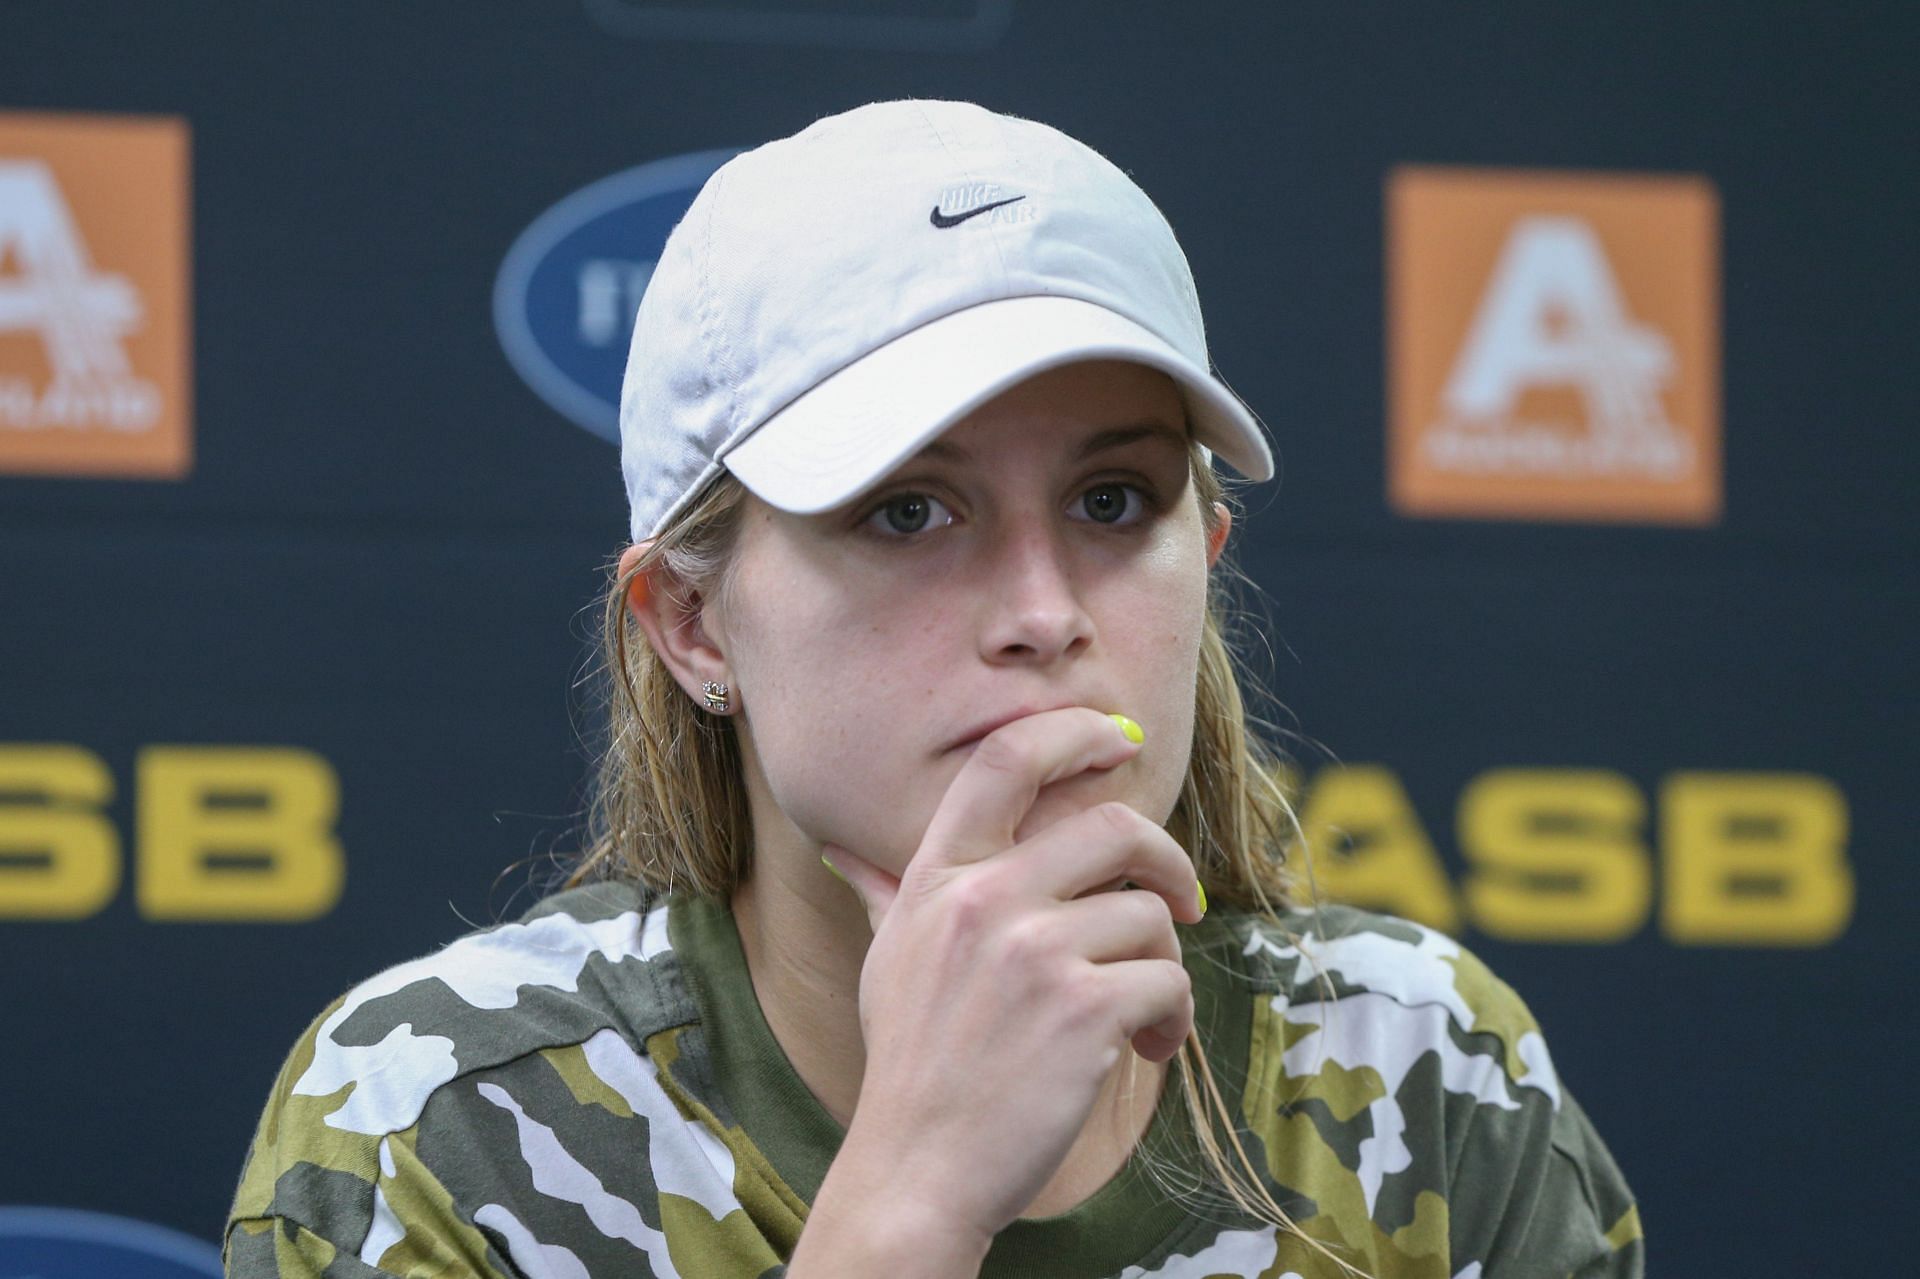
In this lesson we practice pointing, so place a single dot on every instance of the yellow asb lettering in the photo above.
(229, 833)
(1754, 859)
(59, 855)
(1369, 849)
(1556, 855)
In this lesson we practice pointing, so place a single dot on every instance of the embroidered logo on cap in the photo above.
(973, 200)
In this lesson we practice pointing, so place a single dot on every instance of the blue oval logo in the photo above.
(69, 1243)
(564, 301)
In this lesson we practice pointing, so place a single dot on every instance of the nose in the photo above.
(1034, 613)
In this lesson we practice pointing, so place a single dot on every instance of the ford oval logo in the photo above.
(565, 297)
(69, 1243)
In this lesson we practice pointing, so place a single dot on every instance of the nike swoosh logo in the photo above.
(943, 220)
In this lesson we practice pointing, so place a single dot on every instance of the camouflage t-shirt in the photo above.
(592, 1091)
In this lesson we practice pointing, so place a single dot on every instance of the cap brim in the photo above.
(854, 427)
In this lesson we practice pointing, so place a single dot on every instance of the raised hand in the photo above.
(1000, 990)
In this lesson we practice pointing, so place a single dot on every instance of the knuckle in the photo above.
(1082, 996)
(1151, 908)
(1028, 941)
(1178, 860)
(1002, 752)
(1122, 819)
(1161, 843)
(1179, 986)
(971, 901)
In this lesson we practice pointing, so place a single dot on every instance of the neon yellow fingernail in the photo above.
(835, 869)
(1203, 897)
(1130, 729)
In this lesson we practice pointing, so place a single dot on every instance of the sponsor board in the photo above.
(567, 291)
(221, 834)
(95, 312)
(1585, 856)
(1553, 346)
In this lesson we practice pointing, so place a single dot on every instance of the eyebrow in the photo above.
(1113, 438)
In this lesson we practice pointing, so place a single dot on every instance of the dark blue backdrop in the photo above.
(383, 552)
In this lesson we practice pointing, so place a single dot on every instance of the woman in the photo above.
(917, 433)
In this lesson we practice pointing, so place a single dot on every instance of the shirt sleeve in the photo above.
(318, 1200)
(1535, 1192)
(1406, 1099)
(1603, 1199)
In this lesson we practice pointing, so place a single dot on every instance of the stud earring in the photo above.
(719, 700)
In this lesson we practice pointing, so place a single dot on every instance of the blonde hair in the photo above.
(670, 808)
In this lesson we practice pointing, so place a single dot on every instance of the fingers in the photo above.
(1109, 842)
(1154, 1001)
(997, 785)
(1115, 926)
(1124, 942)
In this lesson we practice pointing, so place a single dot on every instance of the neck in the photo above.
(804, 943)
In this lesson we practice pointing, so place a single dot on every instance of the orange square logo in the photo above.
(95, 312)
(1553, 346)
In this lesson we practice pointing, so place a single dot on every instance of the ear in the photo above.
(672, 615)
(1217, 538)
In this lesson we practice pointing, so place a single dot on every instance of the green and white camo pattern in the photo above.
(537, 1100)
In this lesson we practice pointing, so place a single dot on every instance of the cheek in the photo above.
(838, 713)
(1164, 659)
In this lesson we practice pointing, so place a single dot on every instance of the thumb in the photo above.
(875, 888)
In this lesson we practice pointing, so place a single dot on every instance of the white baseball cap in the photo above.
(834, 300)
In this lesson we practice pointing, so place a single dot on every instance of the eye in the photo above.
(1112, 503)
(905, 514)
